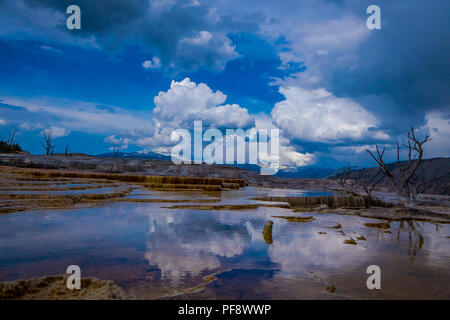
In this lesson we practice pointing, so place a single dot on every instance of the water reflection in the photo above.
(145, 246)
(183, 245)
(267, 232)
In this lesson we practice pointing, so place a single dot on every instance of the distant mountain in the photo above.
(436, 171)
(135, 155)
(306, 172)
(340, 171)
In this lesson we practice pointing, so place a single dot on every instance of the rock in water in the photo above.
(267, 232)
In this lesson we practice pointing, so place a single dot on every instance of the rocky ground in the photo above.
(87, 163)
(30, 181)
(55, 288)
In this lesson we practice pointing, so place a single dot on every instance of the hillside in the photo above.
(127, 164)
(430, 169)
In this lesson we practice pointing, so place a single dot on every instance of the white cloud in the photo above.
(120, 142)
(319, 116)
(289, 158)
(78, 115)
(202, 38)
(438, 125)
(155, 63)
(329, 35)
(49, 48)
(323, 37)
(205, 48)
(2, 122)
(58, 132)
(186, 101)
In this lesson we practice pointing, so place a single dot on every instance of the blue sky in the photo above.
(139, 69)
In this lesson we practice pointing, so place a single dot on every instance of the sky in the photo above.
(139, 69)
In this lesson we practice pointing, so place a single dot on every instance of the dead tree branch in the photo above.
(342, 178)
(47, 144)
(368, 183)
(11, 137)
(404, 180)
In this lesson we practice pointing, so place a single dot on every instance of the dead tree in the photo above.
(115, 149)
(11, 137)
(47, 145)
(404, 180)
(420, 182)
(368, 182)
(343, 178)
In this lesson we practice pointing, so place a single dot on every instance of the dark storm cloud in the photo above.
(99, 15)
(163, 30)
(401, 71)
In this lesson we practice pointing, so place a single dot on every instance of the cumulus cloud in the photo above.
(2, 122)
(397, 81)
(206, 49)
(187, 101)
(290, 159)
(182, 104)
(155, 63)
(117, 142)
(59, 132)
(317, 115)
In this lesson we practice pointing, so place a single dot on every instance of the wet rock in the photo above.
(144, 179)
(169, 200)
(331, 288)
(223, 207)
(350, 241)
(352, 201)
(381, 225)
(267, 232)
(296, 219)
(55, 288)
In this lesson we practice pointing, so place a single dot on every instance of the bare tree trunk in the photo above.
(404, 181)
(11, 137)
(47, 145)
(343, 178)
